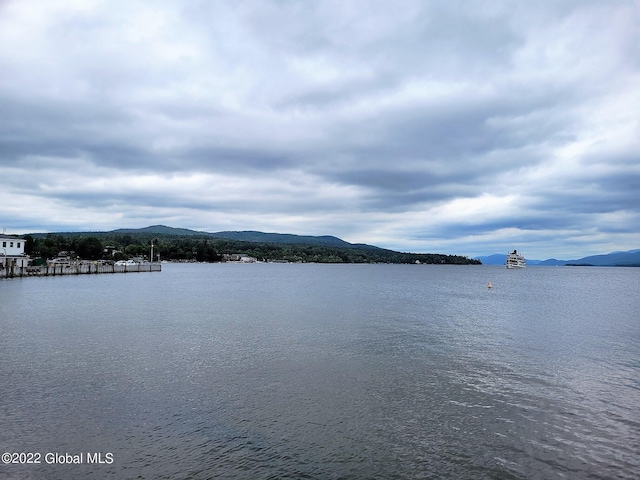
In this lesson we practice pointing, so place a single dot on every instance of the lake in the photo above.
(293, 371)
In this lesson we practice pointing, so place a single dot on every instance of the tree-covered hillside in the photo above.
(203, 247)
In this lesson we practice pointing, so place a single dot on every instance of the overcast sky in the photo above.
(461, 127)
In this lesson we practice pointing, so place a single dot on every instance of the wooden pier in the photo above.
(11, 270)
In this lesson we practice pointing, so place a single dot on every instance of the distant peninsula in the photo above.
(181, 244)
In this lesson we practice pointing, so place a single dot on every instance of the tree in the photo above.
(89, 248)
(29, 244)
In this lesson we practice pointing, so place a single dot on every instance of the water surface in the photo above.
(325, 371)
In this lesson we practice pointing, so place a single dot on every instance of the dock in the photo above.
(12, 270)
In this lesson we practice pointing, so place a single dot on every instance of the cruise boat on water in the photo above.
(515, 260)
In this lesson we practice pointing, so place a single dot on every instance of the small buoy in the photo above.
(489, 285)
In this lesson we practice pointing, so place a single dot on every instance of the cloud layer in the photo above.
(454, 127)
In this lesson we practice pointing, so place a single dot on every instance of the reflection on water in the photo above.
(325, 371)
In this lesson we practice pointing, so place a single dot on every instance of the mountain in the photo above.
(159, 230)
(260, 237)
(552, 262)
(614, 259)
(246, 236)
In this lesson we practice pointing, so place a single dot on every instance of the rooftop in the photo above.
(11, 237)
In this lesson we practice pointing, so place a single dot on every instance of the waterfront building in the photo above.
(12, 251)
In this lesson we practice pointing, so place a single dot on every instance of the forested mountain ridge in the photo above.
(245, 236)
(189, 245)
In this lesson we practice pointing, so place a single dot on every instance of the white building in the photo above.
(11, 246)
(12, 251)
(238, 258)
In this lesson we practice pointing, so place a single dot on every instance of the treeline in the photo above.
(111, 246)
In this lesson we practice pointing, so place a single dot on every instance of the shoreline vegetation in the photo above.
(191, 246)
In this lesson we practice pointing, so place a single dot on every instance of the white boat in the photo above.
(515, 260)
(126, 263)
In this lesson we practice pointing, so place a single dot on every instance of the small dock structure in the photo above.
(11, 269)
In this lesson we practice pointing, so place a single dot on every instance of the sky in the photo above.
(458, 127)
